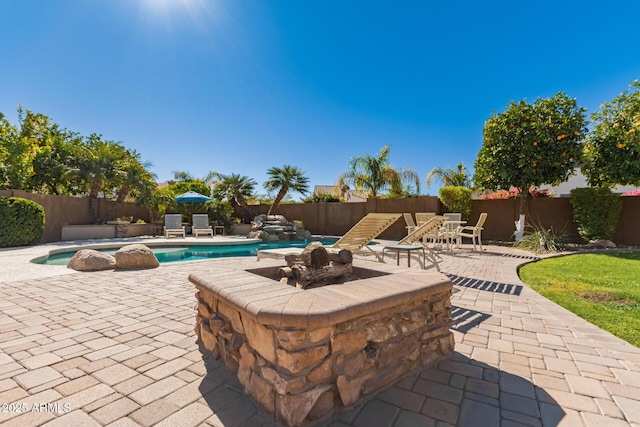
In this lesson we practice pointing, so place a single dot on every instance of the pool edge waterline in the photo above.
(183, 244)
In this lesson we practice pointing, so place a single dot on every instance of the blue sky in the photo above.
(239, 86)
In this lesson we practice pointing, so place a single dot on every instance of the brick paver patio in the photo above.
(117, 348)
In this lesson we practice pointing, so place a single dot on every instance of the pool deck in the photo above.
(118, 348)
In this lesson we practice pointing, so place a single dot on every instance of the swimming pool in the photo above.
(167, 254)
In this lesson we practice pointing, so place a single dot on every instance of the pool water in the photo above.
(166, 254)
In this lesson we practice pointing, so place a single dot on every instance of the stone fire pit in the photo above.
(305, 354)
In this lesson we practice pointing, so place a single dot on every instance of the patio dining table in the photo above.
(449, 232)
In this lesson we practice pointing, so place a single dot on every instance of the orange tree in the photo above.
(530, 145)
(612, 151)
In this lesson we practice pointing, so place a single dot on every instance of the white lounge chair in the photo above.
(473, 231)
(201, 225)
(173, 225)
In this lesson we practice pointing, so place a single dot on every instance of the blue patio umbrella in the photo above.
(192, 197)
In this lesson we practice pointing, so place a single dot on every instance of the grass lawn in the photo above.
(602, 288)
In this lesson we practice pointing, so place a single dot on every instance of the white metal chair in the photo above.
(422, 217)
(474, 231)
(411, 225)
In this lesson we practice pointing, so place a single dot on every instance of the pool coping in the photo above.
(99, 244)
(151, 242)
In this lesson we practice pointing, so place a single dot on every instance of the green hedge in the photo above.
(457, 199)
(21, 222)
(321, 197)
(596, 211)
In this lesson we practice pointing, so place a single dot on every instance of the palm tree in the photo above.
(183, 176)
(450, 177)
(374, 174)
(236, 189)
(285, 179)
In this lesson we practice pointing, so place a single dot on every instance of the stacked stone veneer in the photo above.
(303, 354)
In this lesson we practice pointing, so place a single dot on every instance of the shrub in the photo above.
(21, 222)
(596, 211)
(221, 212)
(541, 240)
(321, 197)
(457, 199)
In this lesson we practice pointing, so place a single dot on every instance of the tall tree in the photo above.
(236, 189)
(284, 179)
(19, 149)
(108, 168)
(374, 174)
(458, 177)
(612, 151)
(8, 134)
(530, 145)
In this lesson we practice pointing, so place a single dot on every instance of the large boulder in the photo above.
(601, 244)
(135, 256)
(91, 260)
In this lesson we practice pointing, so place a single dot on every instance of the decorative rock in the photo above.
(232, 315)
(245, 364)
(351, 389)
(601, 244)
(381, 332)
(349, 341)
(260, 338)
(135, 256)
(352, 364)
(283, 383)
(262, 392)
(276, 227)
(293, 409)
(298, 361)
(324, 405)
(91, 260)
(208, 338)
(292, 340)
(321, 373)
(320, 334)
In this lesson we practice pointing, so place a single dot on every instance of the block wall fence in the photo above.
(63, 210)
(334, 218)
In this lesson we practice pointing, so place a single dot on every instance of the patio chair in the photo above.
(355, 240)
(201, 225)
(173, 225)
(422, 217)
(429, 228)
(473, 231)
(411, 225)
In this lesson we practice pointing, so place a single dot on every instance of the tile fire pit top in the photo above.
(256, 294)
